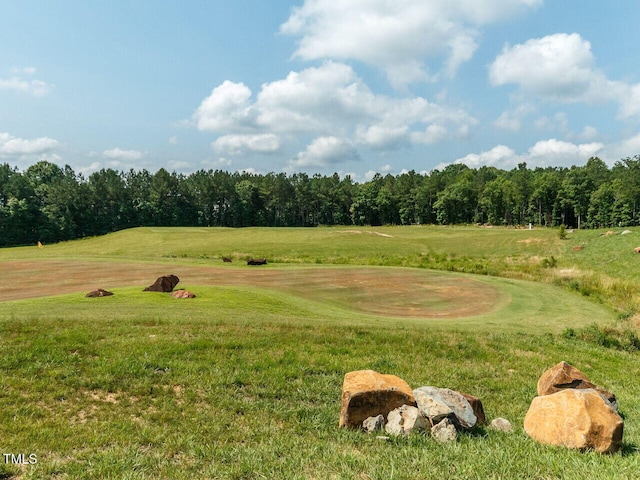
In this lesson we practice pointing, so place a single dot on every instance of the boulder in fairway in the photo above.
(98, 292)
(183, 294)
(163, 284)
(367, 393)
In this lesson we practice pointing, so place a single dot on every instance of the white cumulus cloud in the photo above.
(557, 66)
(125, 155)
(561, 67)
(13, 146)
(544, 153)
(34, 87)
(557, 152)
(499, 156)
(399, 37)
(512, 119)
(329, 101)
(241, 144)
(325, 151)
(227, 107)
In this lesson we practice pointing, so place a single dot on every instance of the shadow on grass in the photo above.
(476, 432)
(629, 449)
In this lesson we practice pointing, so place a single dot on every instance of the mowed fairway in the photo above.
(244, 380)
(393, 295)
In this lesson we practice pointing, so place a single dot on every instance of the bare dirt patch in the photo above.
(529, 241)
(382, 291)
(369, 232)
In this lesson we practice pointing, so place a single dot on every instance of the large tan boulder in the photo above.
(367, 393)
(578, 419)
(563, 376)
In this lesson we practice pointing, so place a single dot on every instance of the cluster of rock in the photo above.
(571, 411)
(373, 401)
(164, 284)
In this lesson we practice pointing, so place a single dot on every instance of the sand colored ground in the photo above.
(382, 291)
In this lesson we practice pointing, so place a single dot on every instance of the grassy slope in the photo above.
(326, 245)
(153, 392)
(243, 383)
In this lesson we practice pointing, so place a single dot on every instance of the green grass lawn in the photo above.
(362, 245)
(244, 381)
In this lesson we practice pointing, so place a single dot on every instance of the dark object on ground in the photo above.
(98, 292)
(163, 284)
(257, 261)
(226, 259)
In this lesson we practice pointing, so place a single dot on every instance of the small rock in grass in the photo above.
(183, 294)
(444, 431)
(501, 425)
(405, 420)
(373, 424)
(98, 292)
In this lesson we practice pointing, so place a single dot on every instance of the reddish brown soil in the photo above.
(382, 291)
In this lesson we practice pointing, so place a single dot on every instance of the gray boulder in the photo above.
(436, 404)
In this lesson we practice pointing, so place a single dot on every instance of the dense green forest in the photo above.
(48, 203)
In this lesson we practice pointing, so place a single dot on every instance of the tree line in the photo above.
(48, 203)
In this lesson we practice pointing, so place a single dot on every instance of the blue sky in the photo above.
(319, 86)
